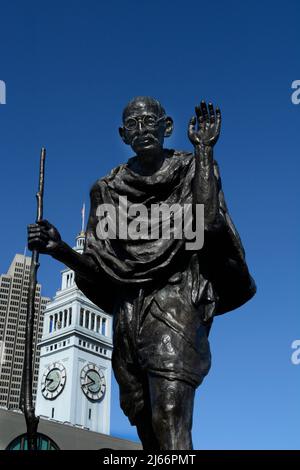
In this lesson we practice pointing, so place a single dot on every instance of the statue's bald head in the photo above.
(139, 103)
(145, 125)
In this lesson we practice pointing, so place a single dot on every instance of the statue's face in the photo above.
(144, 128)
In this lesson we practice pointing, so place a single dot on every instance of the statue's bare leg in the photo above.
(172, 403)
(145, 430)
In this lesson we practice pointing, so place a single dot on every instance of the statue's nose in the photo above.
(140, 125)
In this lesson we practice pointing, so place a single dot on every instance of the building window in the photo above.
(90, 413)
(52, 413)
(43, 443)
(65, 318)
(87, 317)
(60, 323)
(55, 322)
(92, 321)
(103, 329)
(81, 317)
(98, 324)
(70, 315)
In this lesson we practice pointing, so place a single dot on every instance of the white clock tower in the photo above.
(75, 361)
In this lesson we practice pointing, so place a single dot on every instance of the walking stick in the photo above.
(31, 419)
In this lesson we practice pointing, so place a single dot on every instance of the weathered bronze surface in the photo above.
(162, 295)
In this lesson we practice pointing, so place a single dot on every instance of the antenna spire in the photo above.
(82, 217)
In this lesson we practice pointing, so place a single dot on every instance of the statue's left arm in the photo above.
(203, 132)
(223, 250)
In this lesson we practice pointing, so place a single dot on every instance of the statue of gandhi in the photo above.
(163, 296)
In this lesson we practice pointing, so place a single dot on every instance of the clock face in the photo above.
(53, 381)
(92, 382)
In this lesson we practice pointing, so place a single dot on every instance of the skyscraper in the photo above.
(13, 300)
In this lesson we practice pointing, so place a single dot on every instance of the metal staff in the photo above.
(31, 419)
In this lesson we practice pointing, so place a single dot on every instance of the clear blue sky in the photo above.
(71, 66)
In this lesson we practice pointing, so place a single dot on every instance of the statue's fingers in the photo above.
(211, 110)
(32, 227)
(218, 118)
(38, 236)
(204, 110)
(33, 233)
(37, 229)
(191, 127)
(200, 118)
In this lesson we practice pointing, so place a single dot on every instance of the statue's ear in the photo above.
(169, 126)
(123, 135)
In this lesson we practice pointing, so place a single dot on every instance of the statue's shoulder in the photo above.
(104, 180)
(182, 155)
(179, 158)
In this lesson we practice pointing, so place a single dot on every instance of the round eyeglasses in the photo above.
(147, 120)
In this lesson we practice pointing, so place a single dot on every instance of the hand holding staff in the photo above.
(29, 411)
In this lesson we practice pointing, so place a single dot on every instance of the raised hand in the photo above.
(207, 130)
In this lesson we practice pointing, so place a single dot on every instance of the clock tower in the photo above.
(75, 358)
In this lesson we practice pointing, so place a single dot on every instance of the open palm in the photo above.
(205, 128)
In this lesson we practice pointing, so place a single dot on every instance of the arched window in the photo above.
(92, 321)
(60, 321)
(43, 443)
(103, 328)
(51, 324)
(98, 324)
(87, 318)
(55, 321)
(65, 318)
(81, 317)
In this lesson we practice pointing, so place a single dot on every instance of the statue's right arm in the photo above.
(45, 238)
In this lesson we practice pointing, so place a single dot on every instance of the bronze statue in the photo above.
(163, 296)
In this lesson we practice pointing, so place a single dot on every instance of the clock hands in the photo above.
(92, 382)
(53, 382)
